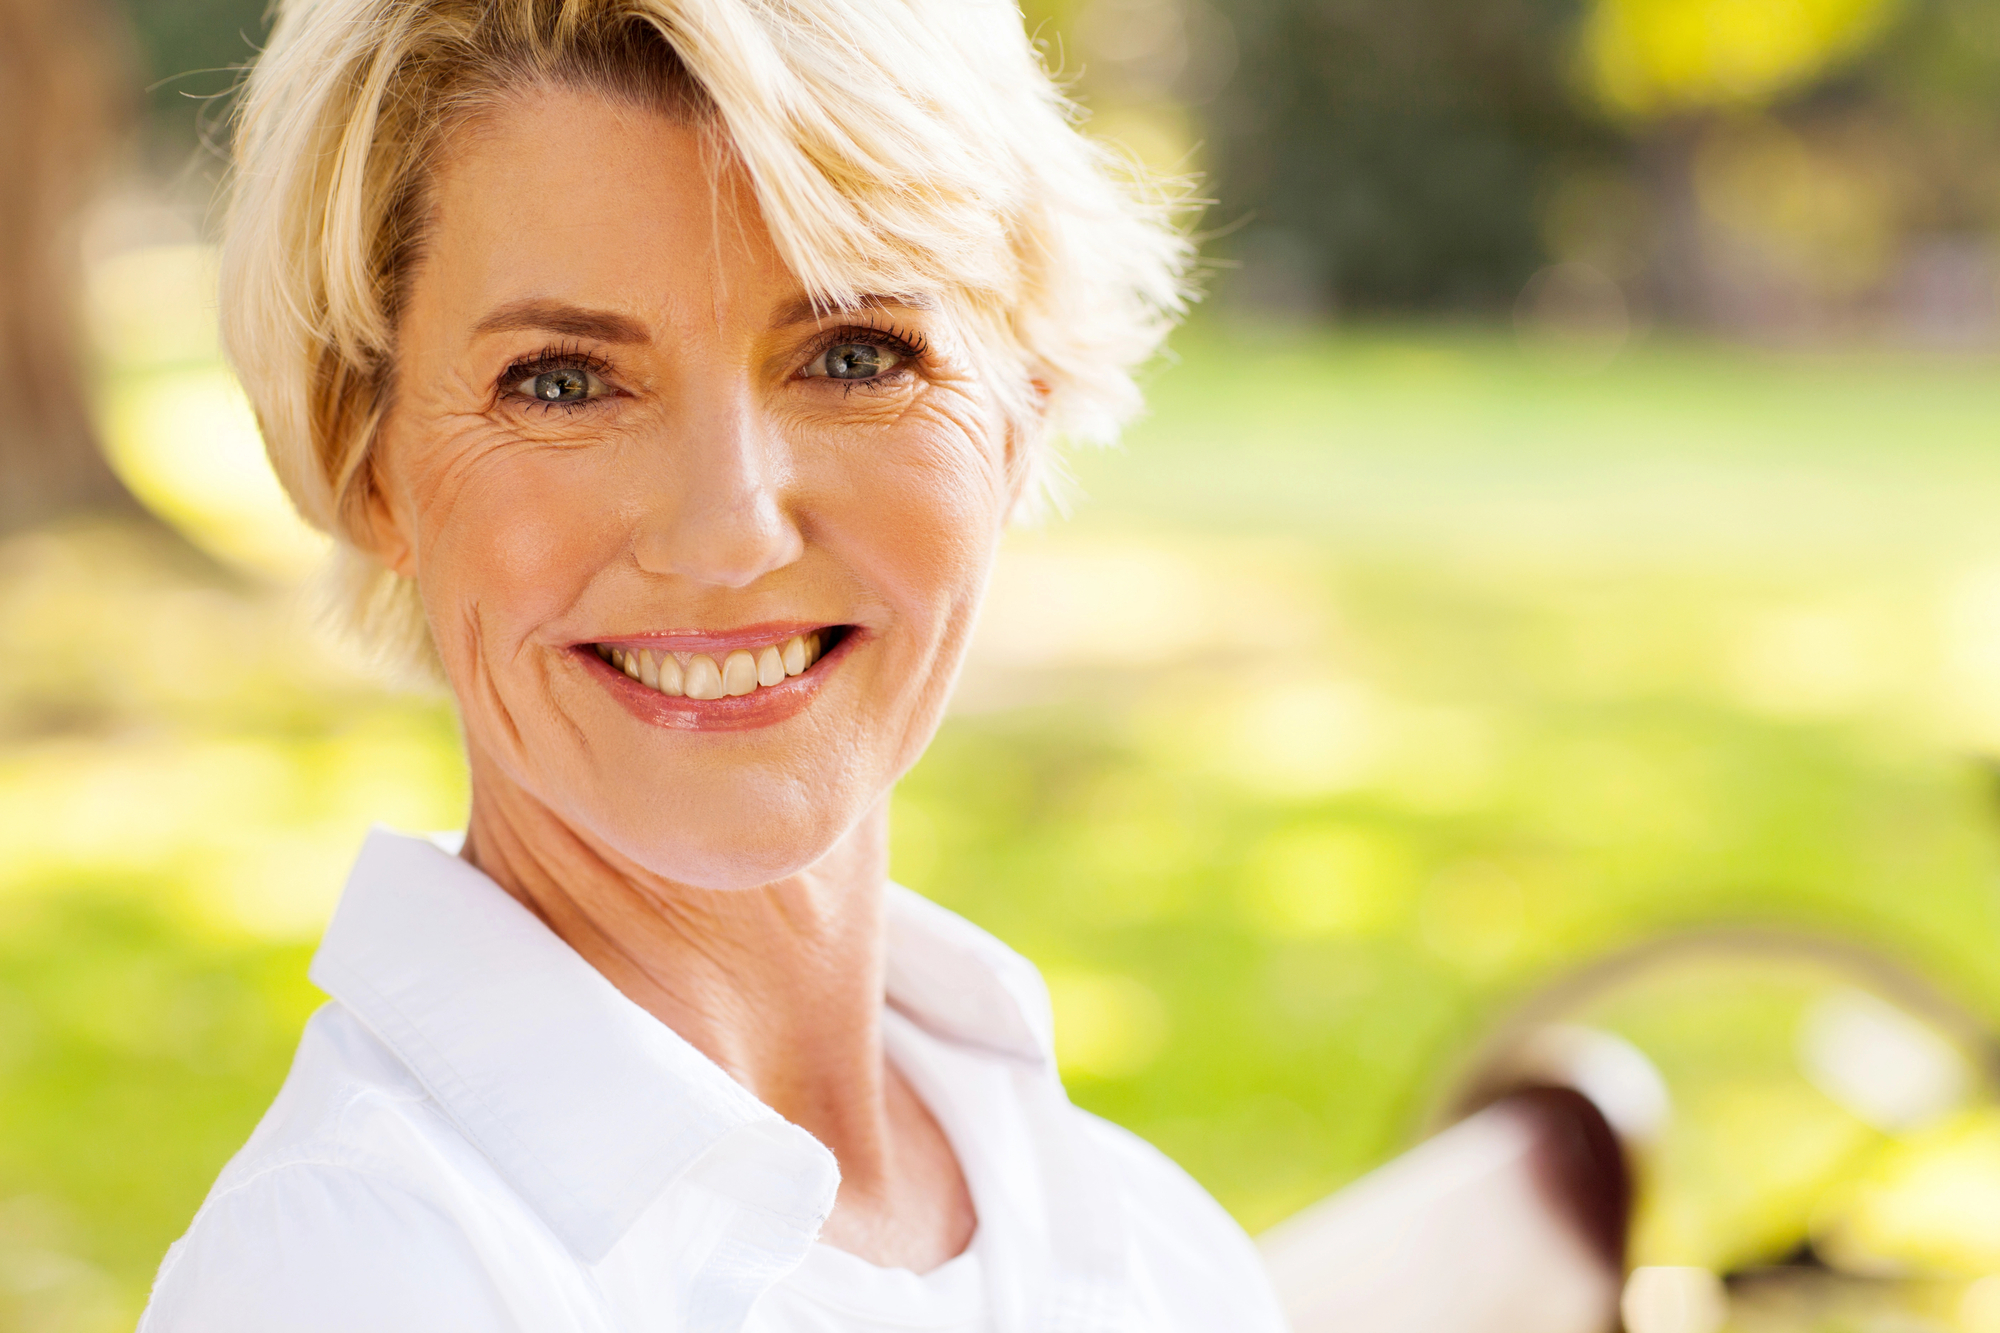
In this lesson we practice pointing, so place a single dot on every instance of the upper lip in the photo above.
(715, 641)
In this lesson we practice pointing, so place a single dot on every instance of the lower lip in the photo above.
(765, 706)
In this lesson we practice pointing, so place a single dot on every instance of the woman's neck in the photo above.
(781, 986)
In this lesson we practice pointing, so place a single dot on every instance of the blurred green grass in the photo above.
(1384, 674)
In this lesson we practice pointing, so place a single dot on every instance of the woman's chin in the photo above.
(726, 854)
(736, 876)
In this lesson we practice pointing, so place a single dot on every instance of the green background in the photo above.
(1378, 679)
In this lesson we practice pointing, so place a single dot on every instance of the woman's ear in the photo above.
(380, 527)
(1023, 442)
(1042, 390)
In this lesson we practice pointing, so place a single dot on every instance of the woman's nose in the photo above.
(718, 512)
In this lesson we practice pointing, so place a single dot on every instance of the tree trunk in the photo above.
(60, 105)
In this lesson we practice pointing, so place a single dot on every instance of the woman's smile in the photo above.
(727, 681)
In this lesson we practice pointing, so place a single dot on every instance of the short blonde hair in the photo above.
(906, 146)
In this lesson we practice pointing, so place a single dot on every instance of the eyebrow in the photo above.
(573, 321)
(806, 310)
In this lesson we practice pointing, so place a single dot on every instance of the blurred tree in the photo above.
(60, 102)
(1434, 154)
(1937, 78)
(1813, 166)
(192, 52)
(1392, 153)
(1943, 59)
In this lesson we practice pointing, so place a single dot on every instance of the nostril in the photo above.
(718, 543)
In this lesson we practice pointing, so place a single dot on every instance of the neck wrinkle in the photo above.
(781, 986)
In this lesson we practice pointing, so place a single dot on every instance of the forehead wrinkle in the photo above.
(732, 208)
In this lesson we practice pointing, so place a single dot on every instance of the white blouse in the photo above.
(481, 1133)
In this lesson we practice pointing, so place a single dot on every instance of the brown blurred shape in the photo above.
(62, 102)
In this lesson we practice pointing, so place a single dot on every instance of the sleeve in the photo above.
(312, 1248)
(1191, 1261)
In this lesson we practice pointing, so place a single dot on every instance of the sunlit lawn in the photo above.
(1381, 675)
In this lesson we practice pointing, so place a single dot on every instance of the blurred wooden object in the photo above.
(1511, 1221)
(61, 103)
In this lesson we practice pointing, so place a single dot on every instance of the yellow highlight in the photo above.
(1329, 881)
(1930, 1205)
(186, 443)
(176, 425)
(1107, 1025)
(1655, 57)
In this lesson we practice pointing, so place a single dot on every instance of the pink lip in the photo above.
(763, 707)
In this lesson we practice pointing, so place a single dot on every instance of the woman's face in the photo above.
(622, 443)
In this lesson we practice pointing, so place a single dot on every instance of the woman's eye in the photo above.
(853, 361)
(566, 384)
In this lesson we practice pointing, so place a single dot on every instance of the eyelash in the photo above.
(906, 343)
(556, 356)
(909, 344)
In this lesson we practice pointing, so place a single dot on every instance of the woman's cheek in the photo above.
(521, 537)
(923, 502)
(957, 509)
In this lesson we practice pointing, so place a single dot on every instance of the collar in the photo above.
(587, 1104)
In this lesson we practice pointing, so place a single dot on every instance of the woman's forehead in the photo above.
(565, 196)
(561, 149)
(578, 214)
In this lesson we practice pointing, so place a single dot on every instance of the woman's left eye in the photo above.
(564, 384)
(853, 361)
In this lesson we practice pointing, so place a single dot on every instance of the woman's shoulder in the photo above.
(346, 1209)
(348, 1104)
(1155, 1186)
(1190, 1258)
(310, 1245)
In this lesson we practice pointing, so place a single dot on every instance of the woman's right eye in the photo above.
(560, 386)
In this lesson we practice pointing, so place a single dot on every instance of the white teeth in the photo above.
(704, 681)
(696, 675)
(739, 673)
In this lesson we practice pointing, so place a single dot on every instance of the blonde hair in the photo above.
(893, 146)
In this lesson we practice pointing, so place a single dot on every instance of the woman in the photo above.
(667, 370)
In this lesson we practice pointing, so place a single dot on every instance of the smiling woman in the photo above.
(666, 371)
